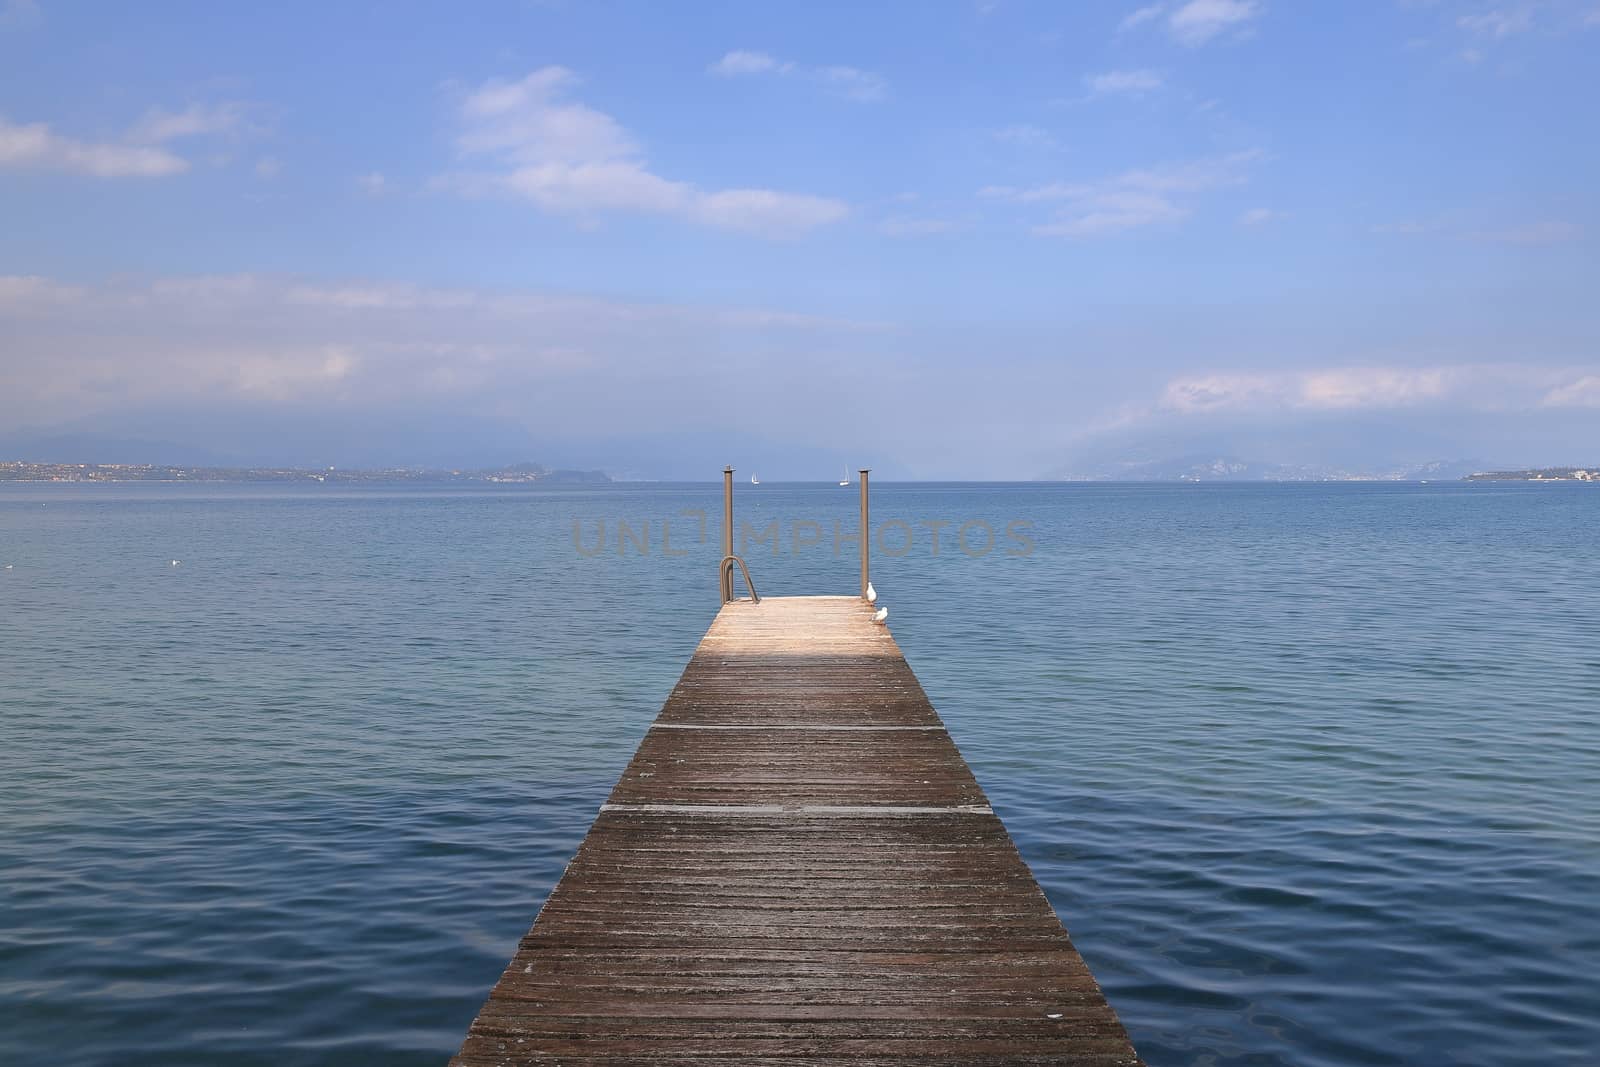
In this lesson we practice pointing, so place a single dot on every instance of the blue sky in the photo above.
(994, 239)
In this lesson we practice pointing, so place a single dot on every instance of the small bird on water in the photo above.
(176, 562)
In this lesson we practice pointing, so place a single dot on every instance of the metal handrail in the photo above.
(725, 571)
(725, 568)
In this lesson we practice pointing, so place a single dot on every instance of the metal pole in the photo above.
(866, 532)
(725, 573)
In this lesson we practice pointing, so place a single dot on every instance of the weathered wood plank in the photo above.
(797, 868)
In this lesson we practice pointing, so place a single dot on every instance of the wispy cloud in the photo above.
(158, 126)
(1128, 82)
(22, 294)
(1195, 22)
(1199, 21)
(1024, 135)
(1139, 16)
(851, 83)
(143, 151)
(1111, 211)
(1260, 216)
(1132, 200)
(1481, 387)
(1583, 392)
(569, 158)
(73, 350)
(1498, 23)
(742, 62)
(36, 146)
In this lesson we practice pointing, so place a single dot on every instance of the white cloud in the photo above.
(158, 126)
(30, 293)
(569, 158)
(579, 188)
(1366, 387)
(1130, 82)
(141, 152)
(852, 83)
(1583, 392)
(1337, 389)
(528, 122)
(1140, 16)
(1194, 22)
(1199, 21)
(1218, 392)
(763, 211)
(1482, 387)
(1113, 211)
(1260, 216)
(1497, 23)
(1025, 136)
(36, 147)
(1131, 200)
(73, 350)
(739, 62)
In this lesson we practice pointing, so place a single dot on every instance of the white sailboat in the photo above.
(846, 479)
(754, 480)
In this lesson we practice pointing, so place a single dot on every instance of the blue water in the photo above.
(1312, 773)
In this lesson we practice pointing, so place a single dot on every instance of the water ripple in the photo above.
(1309, 772)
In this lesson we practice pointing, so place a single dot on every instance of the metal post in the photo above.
(866, 532)
(725, 573)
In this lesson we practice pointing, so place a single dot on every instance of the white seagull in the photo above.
(872, 594)
(880, 615)
(176, 562)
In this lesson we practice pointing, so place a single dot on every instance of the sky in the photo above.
(945, 240)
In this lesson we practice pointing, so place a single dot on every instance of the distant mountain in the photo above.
(107, 448)
(1202, 468)
(317, 440)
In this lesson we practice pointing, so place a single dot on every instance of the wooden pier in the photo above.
(797, 868)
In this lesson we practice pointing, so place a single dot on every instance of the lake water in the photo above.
(1312, 773)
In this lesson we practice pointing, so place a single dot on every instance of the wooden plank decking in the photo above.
(797, 868)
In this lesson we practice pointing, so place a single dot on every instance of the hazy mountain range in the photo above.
(766, 458)
(1201, 468)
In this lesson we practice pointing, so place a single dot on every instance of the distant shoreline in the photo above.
(1541, 474)
(117, 473)
(32, 473)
